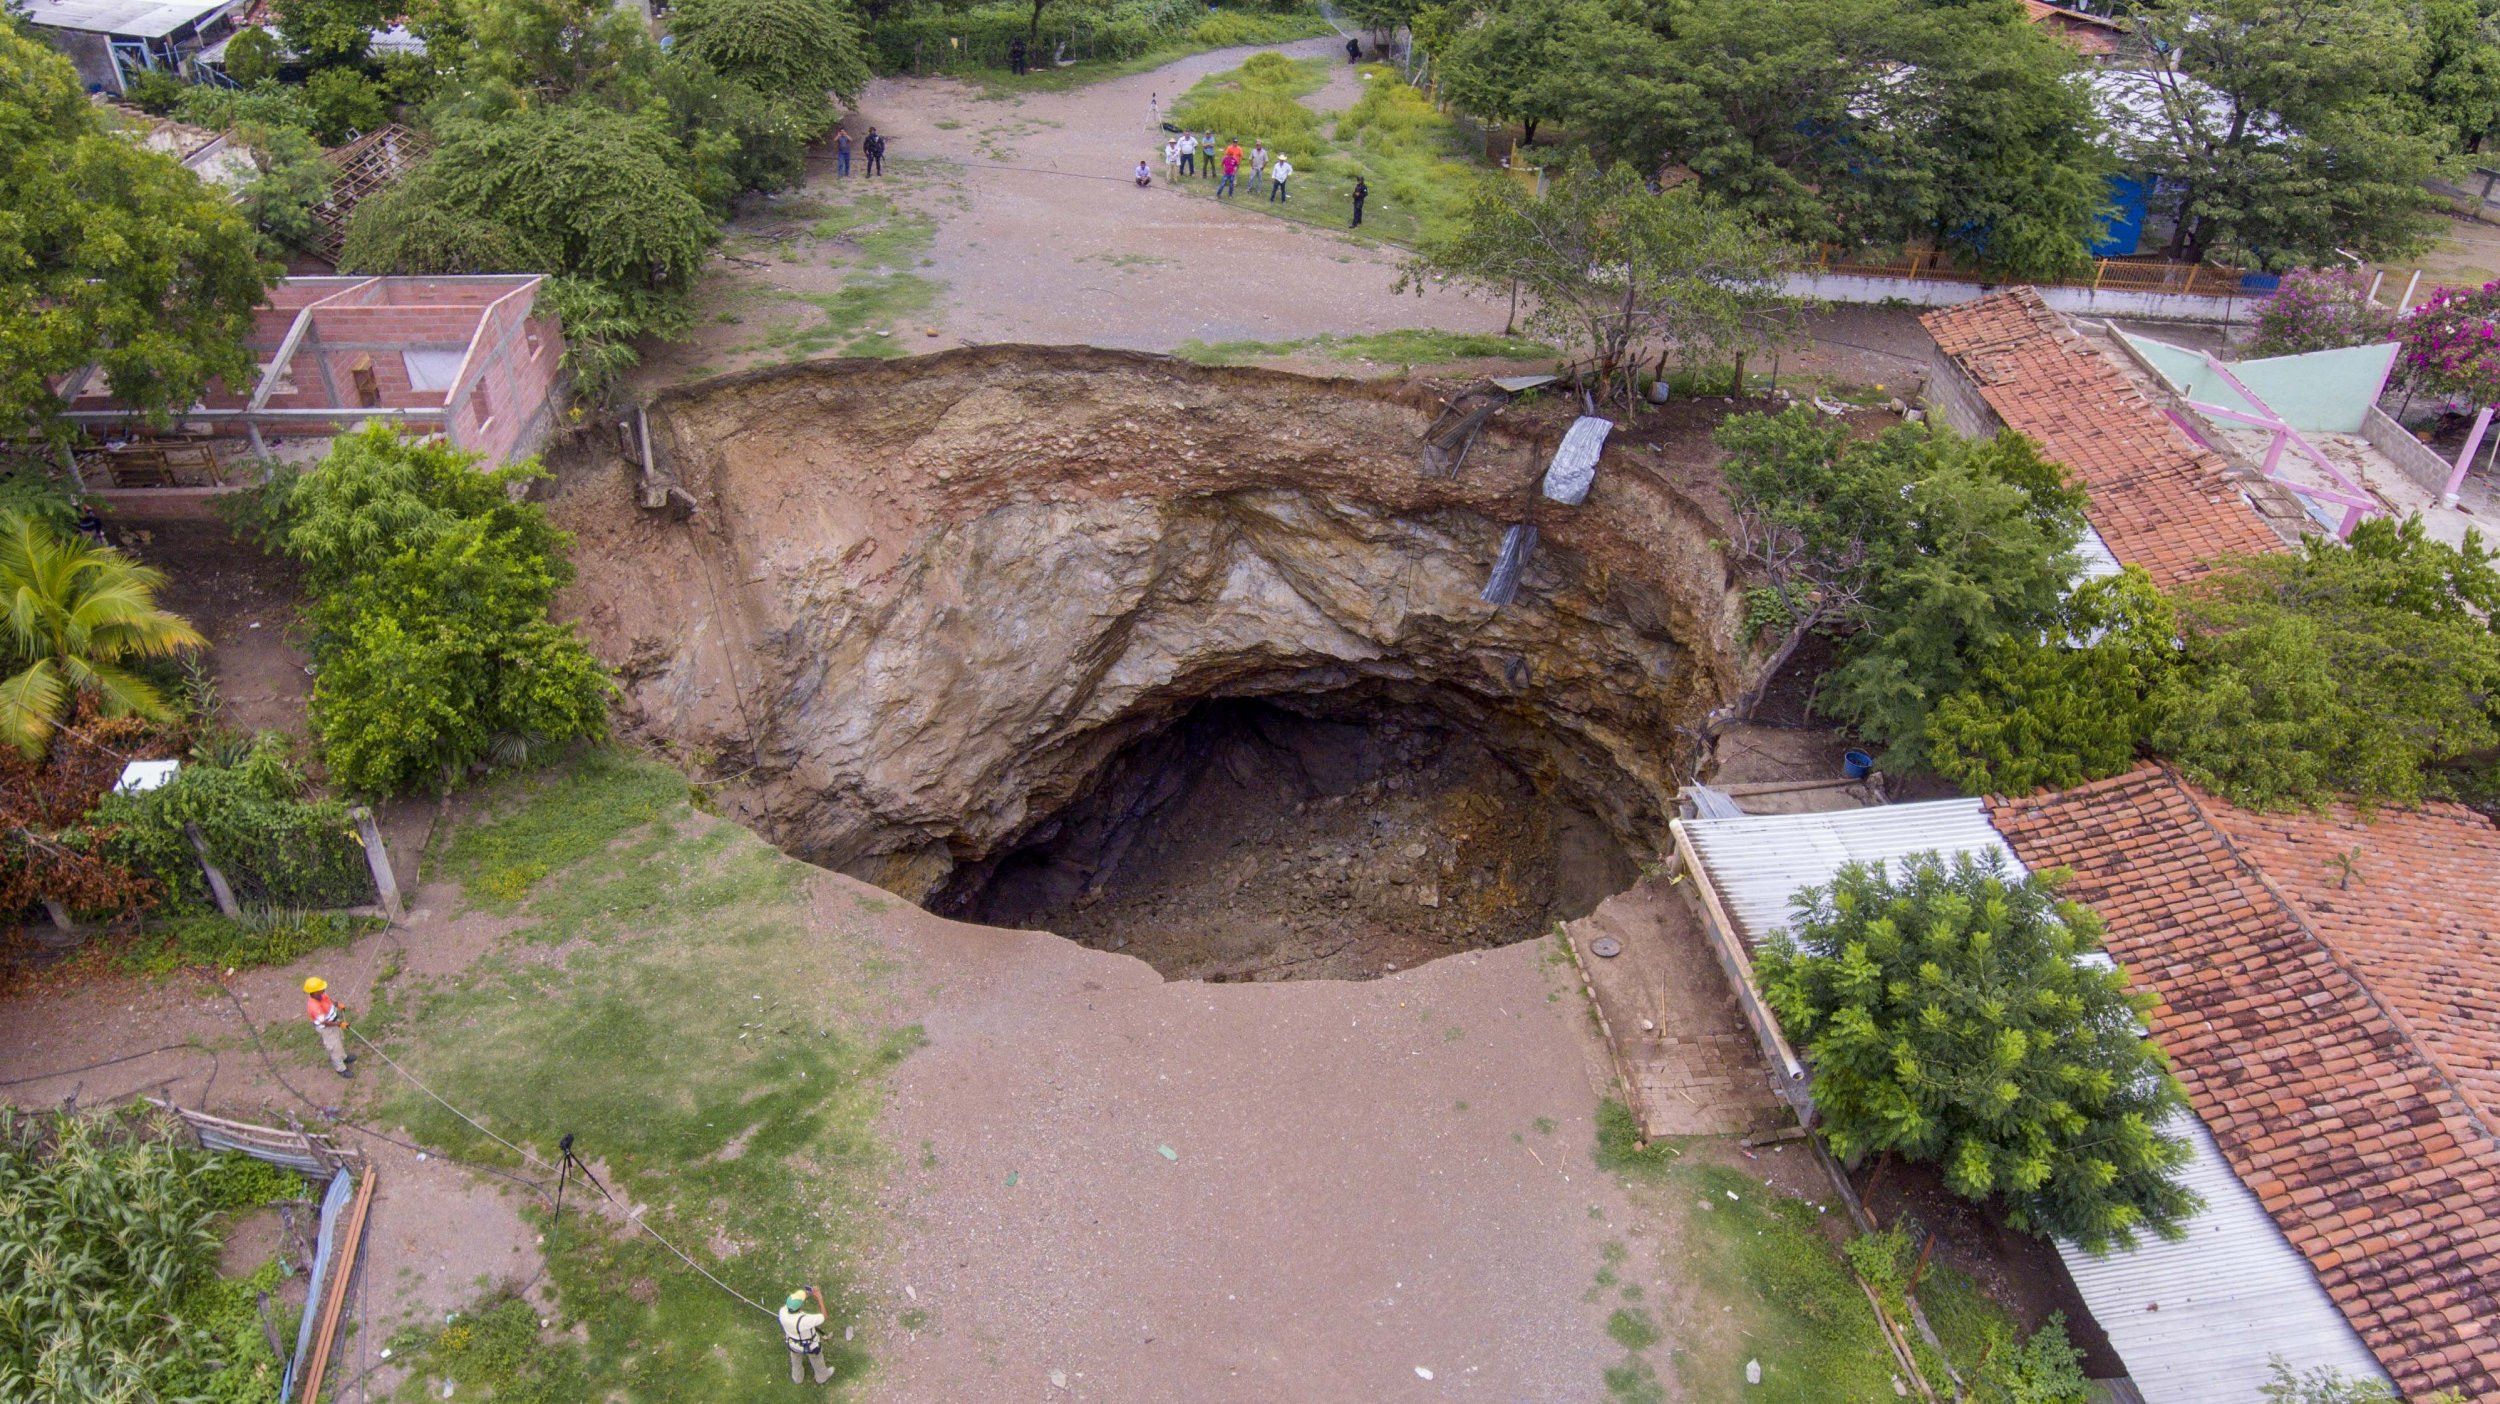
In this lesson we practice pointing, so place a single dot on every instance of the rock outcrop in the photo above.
(921, 605)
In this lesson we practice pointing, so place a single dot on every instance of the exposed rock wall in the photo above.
(922, 603)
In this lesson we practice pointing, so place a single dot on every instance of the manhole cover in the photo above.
(1607, 946)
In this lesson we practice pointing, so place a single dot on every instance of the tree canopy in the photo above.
(802, 50)
(1948, 1017)
(1918, 552)
(2282, 131)
(1611, 270)
(72, 616)
(109, 253)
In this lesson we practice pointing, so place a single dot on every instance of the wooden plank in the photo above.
(343, 1268)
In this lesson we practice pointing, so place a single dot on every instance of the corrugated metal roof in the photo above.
(2199, 1319)
(2093, 558)
(138, 19)
(2195, 1321)
(1759, 862)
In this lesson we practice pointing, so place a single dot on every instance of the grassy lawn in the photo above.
(875, 242)
(1237, 28)
(665, 1002)
(1415, 160)
(1417, 346)
(1772, 1285)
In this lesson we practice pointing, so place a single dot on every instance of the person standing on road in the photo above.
(1258, 166)
(1015, 56)
(1171, 157)
(329, 1021)
(1189, 153)
(1284, 172)
(1353, 49)
(804, 1332)
(1362, 192)
(1206, 155)
(1232, 167)
(841, 151)
(874, 149)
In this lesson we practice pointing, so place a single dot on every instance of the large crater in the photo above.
(1060, 636)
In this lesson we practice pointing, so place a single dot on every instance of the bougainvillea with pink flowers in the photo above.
(2319, 309)
(2452, 343)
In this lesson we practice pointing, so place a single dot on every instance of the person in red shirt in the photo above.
(329, 1021)
(1232, 167)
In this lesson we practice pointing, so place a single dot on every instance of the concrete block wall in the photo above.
(2414, 458)
(505, 402)
(1953, 397)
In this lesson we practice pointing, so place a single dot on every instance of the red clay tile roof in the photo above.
(2338, 1038)
(2157, 500)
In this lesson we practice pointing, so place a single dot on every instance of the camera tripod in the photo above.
(566, 1168)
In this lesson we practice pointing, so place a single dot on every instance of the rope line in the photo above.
(455, 1111)
(91, 1067)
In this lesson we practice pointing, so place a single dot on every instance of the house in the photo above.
(110, 40)
(474, 358)
(2329, 994)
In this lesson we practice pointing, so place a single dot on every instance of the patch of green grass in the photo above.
(946, 124)
(853, 315)
(998, 85)
(883, 234)
(1775, 1287)
(258, 938)
(553, 819)
(1417, 346)
(1633, 1328)
(719, 1062)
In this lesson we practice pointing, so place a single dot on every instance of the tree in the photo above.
(1509, 61)
(345, 103)
(110, 254)
(1947, 1016)
(2460, 83)
(2319, 309)
(71, 614)
(601, 193)
(435, 650)
(329, 32)
(1853, 121)
(2075, 706)
(2366, 668)
(408, 227)
(794, 49)
(1611, 269)
(1918, 552)
(254, 56)
(289, 177)
(2280, 130)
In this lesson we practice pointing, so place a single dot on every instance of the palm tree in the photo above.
(70, 612)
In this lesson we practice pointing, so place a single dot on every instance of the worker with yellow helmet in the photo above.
(329, 1021)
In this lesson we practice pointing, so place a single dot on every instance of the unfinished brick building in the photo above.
(473, 358)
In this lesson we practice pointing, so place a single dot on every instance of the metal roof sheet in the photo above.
(2195, 1321)
(1575, 460)
(138, 19)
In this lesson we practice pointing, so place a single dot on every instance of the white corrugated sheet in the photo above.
(2093, 559)
(136, 19)
(1759, 862)
(2197, 1320)
(1574, 469)
(2232, 1294)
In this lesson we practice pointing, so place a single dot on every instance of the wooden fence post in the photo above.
(217, 887)
(378, 858)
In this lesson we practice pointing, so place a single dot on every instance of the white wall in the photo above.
(2088, 302)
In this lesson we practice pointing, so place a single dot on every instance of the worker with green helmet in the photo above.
(804, 1332)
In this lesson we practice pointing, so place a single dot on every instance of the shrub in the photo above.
(431, 632)
(153, 92)
(2451, 343)
(1948, 1018)
(2319, 309)
(345, 104)
(1232, 106)
(275, 845)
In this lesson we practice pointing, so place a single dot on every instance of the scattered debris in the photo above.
(1517, 543)
(1608, 947)
(1422, 1374)
(1167, 1153)
(1574, 469)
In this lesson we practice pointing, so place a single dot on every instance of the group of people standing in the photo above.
(1197, 154)
(873, 148)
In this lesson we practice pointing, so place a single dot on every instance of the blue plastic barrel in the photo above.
(1856, 765)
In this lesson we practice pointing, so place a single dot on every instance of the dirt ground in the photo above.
(247, 603)
(1259, 844)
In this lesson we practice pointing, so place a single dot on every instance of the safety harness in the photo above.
(810, 1344)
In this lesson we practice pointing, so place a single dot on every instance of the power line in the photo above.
(91, 1067)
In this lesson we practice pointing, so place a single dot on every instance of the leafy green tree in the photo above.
(1852, 121)
(1512, 60)
(436, 653)
(289, 177)
(1918, 552)
(2460, 83)
(2283, 130)
(254, 56)
(109, 254)
(602, 193)
(408, 227)
(2075, 706)
(329, 32)
(268, 103)
(2368, 668)
(1611, 270)
(71, 615)
(1948, 1017)
(345, 103)
(800, 49)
